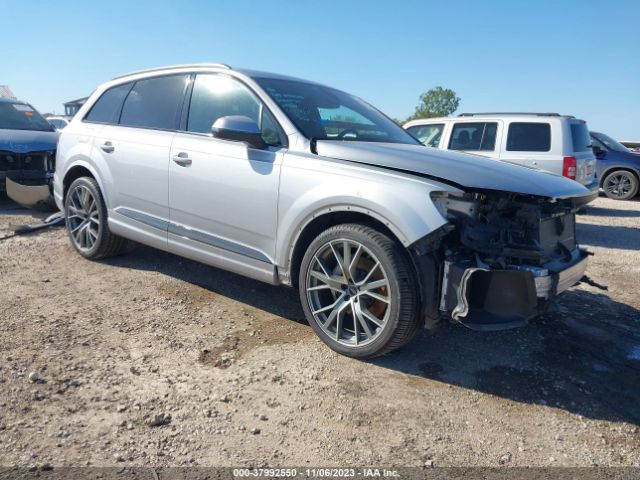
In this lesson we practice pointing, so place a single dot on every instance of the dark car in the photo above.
(617, 168)
(27, 152)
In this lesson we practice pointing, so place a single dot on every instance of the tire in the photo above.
(352, 275)
(89, 232)
(620, 185)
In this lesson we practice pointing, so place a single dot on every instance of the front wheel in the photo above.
(620, 185)
(359, 291)
(86, 218)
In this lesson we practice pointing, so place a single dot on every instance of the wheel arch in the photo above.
(75, 171)
(613, 168)
(328, 218)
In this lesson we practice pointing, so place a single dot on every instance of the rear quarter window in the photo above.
(107, 108)
(153, 102)
(529, 137)
(580, 137)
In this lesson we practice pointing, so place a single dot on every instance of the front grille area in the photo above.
(558, 234)
(28, 161)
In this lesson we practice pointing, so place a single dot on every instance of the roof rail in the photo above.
(174, 67)
(547, 114)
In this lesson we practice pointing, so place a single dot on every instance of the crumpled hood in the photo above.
(471, 171)
(22, 141)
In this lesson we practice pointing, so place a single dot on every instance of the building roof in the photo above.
(5, 92)
(79, 101)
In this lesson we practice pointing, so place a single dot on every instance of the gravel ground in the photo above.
(150, 359)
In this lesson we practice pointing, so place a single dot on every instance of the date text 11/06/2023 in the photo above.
(315, 472)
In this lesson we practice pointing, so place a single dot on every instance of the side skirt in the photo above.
(193, 244)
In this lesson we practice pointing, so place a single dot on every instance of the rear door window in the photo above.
(479, 136)
(154, 102)
(529, 137)
(107, 108)
(429, 135)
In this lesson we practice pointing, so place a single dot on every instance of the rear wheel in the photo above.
(86, 218)
(358, 291)
(620, 185)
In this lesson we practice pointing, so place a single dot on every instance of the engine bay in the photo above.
(500, 229)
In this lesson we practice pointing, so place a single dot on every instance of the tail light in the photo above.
(569, 167)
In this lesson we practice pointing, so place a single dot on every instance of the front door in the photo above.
(223, 195)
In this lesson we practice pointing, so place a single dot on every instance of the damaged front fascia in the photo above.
(29, 180)
(500, 228)
(499, 273)
(426, 254)
(485, 299)
(30, 196)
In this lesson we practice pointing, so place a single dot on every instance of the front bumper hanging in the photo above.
(30, 196)
(482, 298)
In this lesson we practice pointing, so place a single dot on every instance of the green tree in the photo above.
(437, 102)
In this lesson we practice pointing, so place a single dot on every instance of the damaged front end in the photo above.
(504, 256)
(28, 178)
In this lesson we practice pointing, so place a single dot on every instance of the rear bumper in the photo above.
(487, 299)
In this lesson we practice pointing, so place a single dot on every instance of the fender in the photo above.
(401, 203)
(79, 153)
(85, 163)
(295, 235)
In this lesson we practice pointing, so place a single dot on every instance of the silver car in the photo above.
(556, 143)
(291, 182)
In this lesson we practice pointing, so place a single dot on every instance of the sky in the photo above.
(576, 57)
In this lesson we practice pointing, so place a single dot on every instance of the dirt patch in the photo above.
(257, 328)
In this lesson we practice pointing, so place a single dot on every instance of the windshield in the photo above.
(21, 116)
(324, 113)
(611, 143)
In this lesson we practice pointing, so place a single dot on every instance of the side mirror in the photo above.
(240, 129)
(597, 150)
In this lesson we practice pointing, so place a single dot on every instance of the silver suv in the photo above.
(291, 182)
(547, 141)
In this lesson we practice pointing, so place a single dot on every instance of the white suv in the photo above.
(547, 141)
(295, 183)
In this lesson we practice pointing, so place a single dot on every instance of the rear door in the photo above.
(580, 144)
(137, 154)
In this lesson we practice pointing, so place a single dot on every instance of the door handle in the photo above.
(182, 159)
(107, 147)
